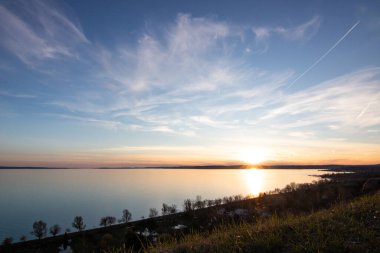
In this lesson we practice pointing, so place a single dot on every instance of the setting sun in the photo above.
(254, 156)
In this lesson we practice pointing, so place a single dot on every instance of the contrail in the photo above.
(325, 54)
(364, 110)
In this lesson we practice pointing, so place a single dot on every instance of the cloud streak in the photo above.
(300, 32)
(337, 103)
(16, 95)
(52, 36)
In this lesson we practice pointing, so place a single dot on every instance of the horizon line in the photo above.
(212, 166)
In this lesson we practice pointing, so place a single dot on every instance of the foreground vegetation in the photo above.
(349, 227)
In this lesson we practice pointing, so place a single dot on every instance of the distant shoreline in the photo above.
(331, 167)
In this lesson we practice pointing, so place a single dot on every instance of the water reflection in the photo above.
(254, 180)
(56, 197)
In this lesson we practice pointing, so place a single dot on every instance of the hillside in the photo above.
(350, 227)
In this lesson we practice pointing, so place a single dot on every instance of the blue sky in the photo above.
(99, 83)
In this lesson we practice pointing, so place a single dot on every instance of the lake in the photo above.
(56, 196)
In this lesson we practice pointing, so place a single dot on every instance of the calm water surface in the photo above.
(56, 196)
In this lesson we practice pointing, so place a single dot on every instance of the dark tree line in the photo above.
(166, 209)
(40, 227)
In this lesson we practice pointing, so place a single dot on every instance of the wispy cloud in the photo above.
(171, 81)
(205, 120)
(186, 80)
(300, 32)
(151, 148)
(190, 77)
(53, 35)
(262, 33)
(94, 121)
(300, 134)
(16, 95)
(347, 101)
(182, 58)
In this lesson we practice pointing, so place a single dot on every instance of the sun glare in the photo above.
(254, 179)
(254, 156)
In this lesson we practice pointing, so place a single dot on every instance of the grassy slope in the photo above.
(352, 227)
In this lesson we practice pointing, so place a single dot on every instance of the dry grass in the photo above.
(350, 227)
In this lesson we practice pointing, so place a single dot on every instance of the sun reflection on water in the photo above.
(254, 179)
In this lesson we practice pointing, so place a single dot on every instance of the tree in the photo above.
(187, 207)
(209, 203)
(55, 229)
(172, 209)
(238, 197)
(23, 238)
(107, 221)
(7, 241)
(227, 200)
(153, 212)
(111, 220)
(39, 229)
(78, 223)
(127, 216)
(198, 204)
(218, 201)
(165, 209)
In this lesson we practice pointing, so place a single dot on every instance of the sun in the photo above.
(254, 156)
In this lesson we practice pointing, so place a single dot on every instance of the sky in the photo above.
(140, 83)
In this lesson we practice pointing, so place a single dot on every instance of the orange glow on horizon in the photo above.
(336, 153)
(254, 156)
